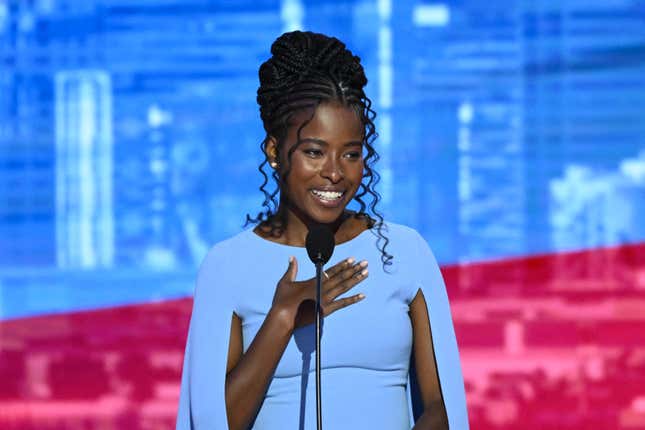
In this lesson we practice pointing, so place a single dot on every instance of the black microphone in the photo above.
(320, 246)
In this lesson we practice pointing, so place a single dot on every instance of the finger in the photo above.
(339, 267)
(346, 274)
(342, 303)
(347, 284)
(292, 270)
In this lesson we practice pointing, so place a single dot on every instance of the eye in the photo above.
(353, 155)
(314, 153)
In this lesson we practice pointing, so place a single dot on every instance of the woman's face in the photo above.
(326, 169)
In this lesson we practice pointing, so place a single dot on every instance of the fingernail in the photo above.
(361, 296)
(364, 272)
(350, 260)
(291, 259)
(363, 263)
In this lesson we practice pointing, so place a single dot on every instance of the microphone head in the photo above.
(320, 244)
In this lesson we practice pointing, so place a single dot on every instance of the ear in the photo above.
(271, 152)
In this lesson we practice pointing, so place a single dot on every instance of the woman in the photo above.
(248, 355)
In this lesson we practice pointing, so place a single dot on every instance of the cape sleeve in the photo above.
(431, 283)
(201, 399)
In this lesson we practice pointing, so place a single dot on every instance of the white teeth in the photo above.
(328, 195)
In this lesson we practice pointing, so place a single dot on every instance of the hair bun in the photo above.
(294, 49)
(305, 66)
(297, 55)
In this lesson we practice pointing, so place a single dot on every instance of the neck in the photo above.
(298, 226)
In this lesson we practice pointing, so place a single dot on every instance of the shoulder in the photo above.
(229, 248)
(409, 249)
(223, 262)
(400, 231)
(403, 239)
(414, 258)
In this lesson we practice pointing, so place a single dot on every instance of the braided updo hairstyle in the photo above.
(305, 70)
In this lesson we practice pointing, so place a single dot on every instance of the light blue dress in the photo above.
(366, 347)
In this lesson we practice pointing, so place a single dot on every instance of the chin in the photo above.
(327, 217)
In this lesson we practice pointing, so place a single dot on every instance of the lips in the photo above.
(328, 194)
(328, 198)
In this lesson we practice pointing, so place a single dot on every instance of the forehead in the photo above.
(331, 122)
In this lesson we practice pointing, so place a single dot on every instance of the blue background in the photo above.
(129, 132)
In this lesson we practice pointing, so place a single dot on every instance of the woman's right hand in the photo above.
(294, 300)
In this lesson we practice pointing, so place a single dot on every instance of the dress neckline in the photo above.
(284, 246)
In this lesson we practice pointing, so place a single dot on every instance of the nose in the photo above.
(332, 170)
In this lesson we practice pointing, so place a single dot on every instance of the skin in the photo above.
(330, 156)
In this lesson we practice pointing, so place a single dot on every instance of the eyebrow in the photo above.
(324, 143)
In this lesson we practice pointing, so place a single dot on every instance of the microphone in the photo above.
(320, 246)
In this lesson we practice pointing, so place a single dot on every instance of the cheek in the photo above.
(301, 170)
(356, 171)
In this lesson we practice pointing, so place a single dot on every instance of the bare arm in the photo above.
(434, 416)
(248, 374)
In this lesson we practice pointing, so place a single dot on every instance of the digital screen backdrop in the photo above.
(511, 135)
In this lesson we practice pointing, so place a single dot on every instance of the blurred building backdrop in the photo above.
(512, 136)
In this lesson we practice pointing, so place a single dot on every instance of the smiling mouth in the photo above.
(328, 196)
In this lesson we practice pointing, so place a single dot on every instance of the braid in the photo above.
(305, 70)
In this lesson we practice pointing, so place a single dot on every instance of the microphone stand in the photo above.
(319, 266)
(320, 247)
